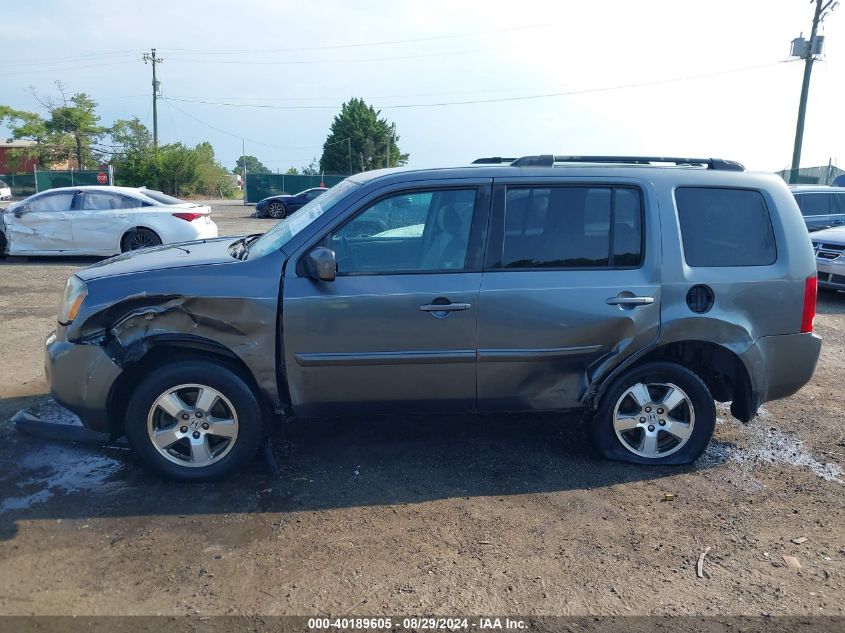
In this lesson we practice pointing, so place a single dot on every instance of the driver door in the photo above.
(44, 225)
(396, 330)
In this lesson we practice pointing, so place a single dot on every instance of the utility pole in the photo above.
(151, 58)
(808, 51)
(243, 167)
(349, 148)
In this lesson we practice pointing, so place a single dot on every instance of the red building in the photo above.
(8, 165)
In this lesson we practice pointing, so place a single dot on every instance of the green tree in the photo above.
(71, 128)
(49, 147)
(173, 168)
(253, 166)
(292, 171)
(311, 169)
(133, 156)
(360, 140)
(76, 117)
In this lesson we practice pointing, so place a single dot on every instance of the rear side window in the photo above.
(837, 203)
(161, 198)
(815, 203)
(572, 227)
(725, 227)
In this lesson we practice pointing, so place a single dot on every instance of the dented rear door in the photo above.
(571, 286)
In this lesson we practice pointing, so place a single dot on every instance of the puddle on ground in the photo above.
(57, 468)
(759, 442)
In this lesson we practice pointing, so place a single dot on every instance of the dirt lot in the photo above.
(487, 515)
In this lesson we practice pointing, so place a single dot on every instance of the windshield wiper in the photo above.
(240, 247)
(248, 240)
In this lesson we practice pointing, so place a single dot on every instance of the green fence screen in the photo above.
(66, 178)
(260, 186)
(20, 184)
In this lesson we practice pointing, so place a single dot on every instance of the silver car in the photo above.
(829, 246)
(638, 290)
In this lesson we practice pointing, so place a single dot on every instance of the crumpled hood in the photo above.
(836, 235)
(199, 253)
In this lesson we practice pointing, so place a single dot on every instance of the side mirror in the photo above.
(321, 263)
(19, 211)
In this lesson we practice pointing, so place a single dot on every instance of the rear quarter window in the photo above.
(725, 227)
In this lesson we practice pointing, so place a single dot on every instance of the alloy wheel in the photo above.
(277, 210)
(140, 240)
(653, 420)
(192, 425)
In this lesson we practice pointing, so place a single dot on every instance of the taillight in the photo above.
(809, 313)
(190, 217)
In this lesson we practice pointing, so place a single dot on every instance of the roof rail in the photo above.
(548, 160)
(493, 160)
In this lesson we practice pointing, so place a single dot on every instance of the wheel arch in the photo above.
(721, 369)
(147, 354)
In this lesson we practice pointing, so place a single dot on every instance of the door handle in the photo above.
(630, 301)
(444, 307)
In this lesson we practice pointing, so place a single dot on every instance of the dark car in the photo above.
(553, 283)
(279, 207)
(823, 207)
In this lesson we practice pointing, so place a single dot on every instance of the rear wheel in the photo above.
(277, 210)
(139, 238)
(194, 420)
(657, 413)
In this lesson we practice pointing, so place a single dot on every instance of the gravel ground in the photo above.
(438, 515)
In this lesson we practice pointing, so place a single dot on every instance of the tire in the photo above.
(191, 449)
(627, 426)
(2, 244)
(277, 211)
(139, 238)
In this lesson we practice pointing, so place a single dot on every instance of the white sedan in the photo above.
(100, 221)
(5, 190)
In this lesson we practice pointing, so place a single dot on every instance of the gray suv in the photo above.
(638, 290)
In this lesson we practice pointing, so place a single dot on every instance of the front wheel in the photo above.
(658, 413)
(194, 420)
(277, 210)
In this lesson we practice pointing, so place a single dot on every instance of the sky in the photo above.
(680, 77)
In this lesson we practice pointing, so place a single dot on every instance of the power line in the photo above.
(240, 51)
(69, 58)
(64, 68)
(309, 62)
(547, 95)
(228, 133)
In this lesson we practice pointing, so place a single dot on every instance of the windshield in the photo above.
(3, 184)
(282, 233)
(161, 198)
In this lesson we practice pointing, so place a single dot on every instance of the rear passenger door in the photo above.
(101, 219)
(571, 283)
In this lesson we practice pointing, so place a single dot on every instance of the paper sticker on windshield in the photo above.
(299, 221)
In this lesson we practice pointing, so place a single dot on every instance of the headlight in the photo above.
(74, 295)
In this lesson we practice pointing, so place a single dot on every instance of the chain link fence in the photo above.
(822, 175)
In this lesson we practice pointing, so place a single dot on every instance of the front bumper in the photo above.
(831, 273)
(81, 377)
